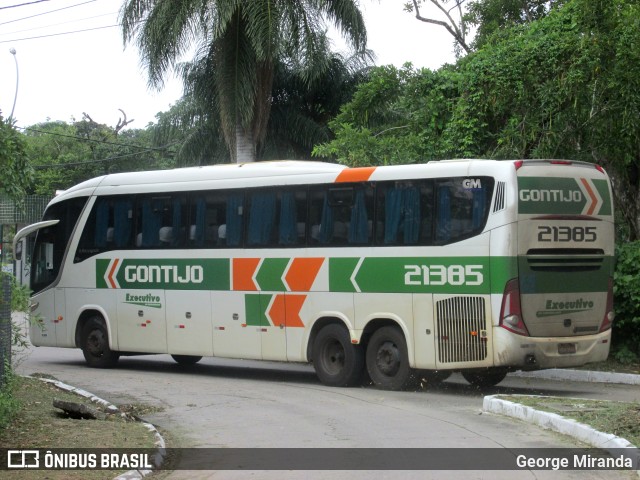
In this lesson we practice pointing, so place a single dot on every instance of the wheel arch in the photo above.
(318, 325)
(84, 316)
(378, 322)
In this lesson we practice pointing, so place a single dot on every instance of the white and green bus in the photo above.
(476, 266)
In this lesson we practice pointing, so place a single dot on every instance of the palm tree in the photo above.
(238, 43)
(301, 106)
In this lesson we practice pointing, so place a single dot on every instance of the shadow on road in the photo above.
(303, 374)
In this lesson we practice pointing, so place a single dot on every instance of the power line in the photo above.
(57, 24)
(75, 137)
(46, 13)
(59, 34)
(23, 4)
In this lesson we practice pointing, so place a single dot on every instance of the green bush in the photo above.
(626, 297)
(8, 404)
(19, 302)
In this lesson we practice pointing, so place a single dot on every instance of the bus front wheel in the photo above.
(338, 363)
(388, 360)
(95, 344)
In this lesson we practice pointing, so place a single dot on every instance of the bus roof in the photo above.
(285, 172)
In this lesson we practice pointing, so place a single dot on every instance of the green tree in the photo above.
(65, 154)
(237, 46)
(399, 116)
(488, 17)
(16, 171)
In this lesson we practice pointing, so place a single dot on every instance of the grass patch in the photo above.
(619, 418)
(37, 424)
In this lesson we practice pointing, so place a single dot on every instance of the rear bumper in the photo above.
(531, 353)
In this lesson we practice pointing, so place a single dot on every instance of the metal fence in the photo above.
(5, 328)
(27, 210)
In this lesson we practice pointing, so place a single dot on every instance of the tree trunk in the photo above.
(245, 151)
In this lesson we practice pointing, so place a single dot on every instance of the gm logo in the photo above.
(471, 184)
(23, 459)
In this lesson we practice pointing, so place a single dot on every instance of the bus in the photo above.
(404, 273)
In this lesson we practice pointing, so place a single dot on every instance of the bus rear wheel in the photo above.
(95, 344)
(388, 360)
(338, 363)
(186, 359)
(485, 378)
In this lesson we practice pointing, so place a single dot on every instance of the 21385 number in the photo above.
(567, 234)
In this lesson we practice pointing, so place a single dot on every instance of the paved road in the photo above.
(224, 403)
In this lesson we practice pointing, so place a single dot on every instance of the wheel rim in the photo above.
(333, 357)
(96, 343)
(388, 359)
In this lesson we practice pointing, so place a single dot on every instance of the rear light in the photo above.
(600, 169)
(560, 162)
(511, 312)
(518, 164)
(609, 314)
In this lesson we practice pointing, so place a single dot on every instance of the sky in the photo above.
(70, 59)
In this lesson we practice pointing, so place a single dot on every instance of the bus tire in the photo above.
(186, 359)
(388, 360)
(95, 344)
(485, 378)
(337, 362)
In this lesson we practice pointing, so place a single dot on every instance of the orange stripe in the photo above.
(278, 311)
(360, 174)
(294, 304)
(111, 272)
(243, 270)
(594, 199)
(302, 273)
(285, 310)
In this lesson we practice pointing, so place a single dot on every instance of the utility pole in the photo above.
(15, 97)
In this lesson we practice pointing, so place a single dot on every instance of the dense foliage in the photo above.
(626, 333)
(65, 154)
(14, 164)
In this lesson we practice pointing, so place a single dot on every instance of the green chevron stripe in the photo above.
(255, 305)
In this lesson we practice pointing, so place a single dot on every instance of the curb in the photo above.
(581, 376)
(111, 408)
(558, 423)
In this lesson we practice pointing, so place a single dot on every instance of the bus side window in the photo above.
(462, 208)
(361, 216)
(215, 219)
(292, 216)
(327, 217)
(109, 226)
(405, 211)
(161, 221)
(262, 218)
